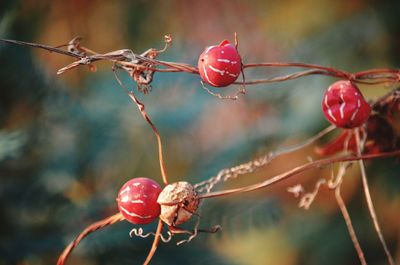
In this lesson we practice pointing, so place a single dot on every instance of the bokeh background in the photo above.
(68, 143)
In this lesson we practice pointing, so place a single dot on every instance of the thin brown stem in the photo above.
(368, 199)
(380, 76)
(349, 225)
(253, 165)
(390, 72)
(141, 108)
(42, 46)
(372, 76)
(335, 184)
(155, 242)
(295, 171)
(284, 78)
(90, 229)
(330, 70)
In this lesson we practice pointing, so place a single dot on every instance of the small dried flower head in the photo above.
(178, 202)
(168, 39)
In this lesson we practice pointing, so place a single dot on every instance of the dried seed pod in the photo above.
(344, 105)
(178, 202)
(220, 65)
(137, 200)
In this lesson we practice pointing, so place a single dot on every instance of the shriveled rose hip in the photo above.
(344, 105)
(137, 200)
(178, 203)
(220, 65)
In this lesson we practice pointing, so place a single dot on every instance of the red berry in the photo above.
(220, 65)
(137, 200)
(344, 105)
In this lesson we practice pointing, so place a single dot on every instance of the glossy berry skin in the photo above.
(344, 105)
(137, 200)
(220, 65)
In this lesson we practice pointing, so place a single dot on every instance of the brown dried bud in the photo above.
(168, 39)
(178, 202)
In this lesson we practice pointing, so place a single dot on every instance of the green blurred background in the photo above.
(68, 143)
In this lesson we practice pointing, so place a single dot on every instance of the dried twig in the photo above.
(155, 242)
(308, 198)
(141, 108)
(90, 229)
(346, 216)
(249, 167)
(295, 171)
(372, 76)
(368, 199)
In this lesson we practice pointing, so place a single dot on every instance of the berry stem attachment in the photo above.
(42, 46)
(90, 229)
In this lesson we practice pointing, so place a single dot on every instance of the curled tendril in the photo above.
(308, 198)
(139, 232)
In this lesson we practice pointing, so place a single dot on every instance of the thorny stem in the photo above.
(90, 229)
(368, 199)
(141, 107)
(295, 171)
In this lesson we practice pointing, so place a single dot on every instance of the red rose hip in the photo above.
(344, 105)
(220, 65)
(137, 200)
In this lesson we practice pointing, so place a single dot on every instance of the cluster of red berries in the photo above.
(220, 65)
(138, 200)
(343, 104)
(141, 201)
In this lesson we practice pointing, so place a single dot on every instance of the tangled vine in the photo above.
(366, 133)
